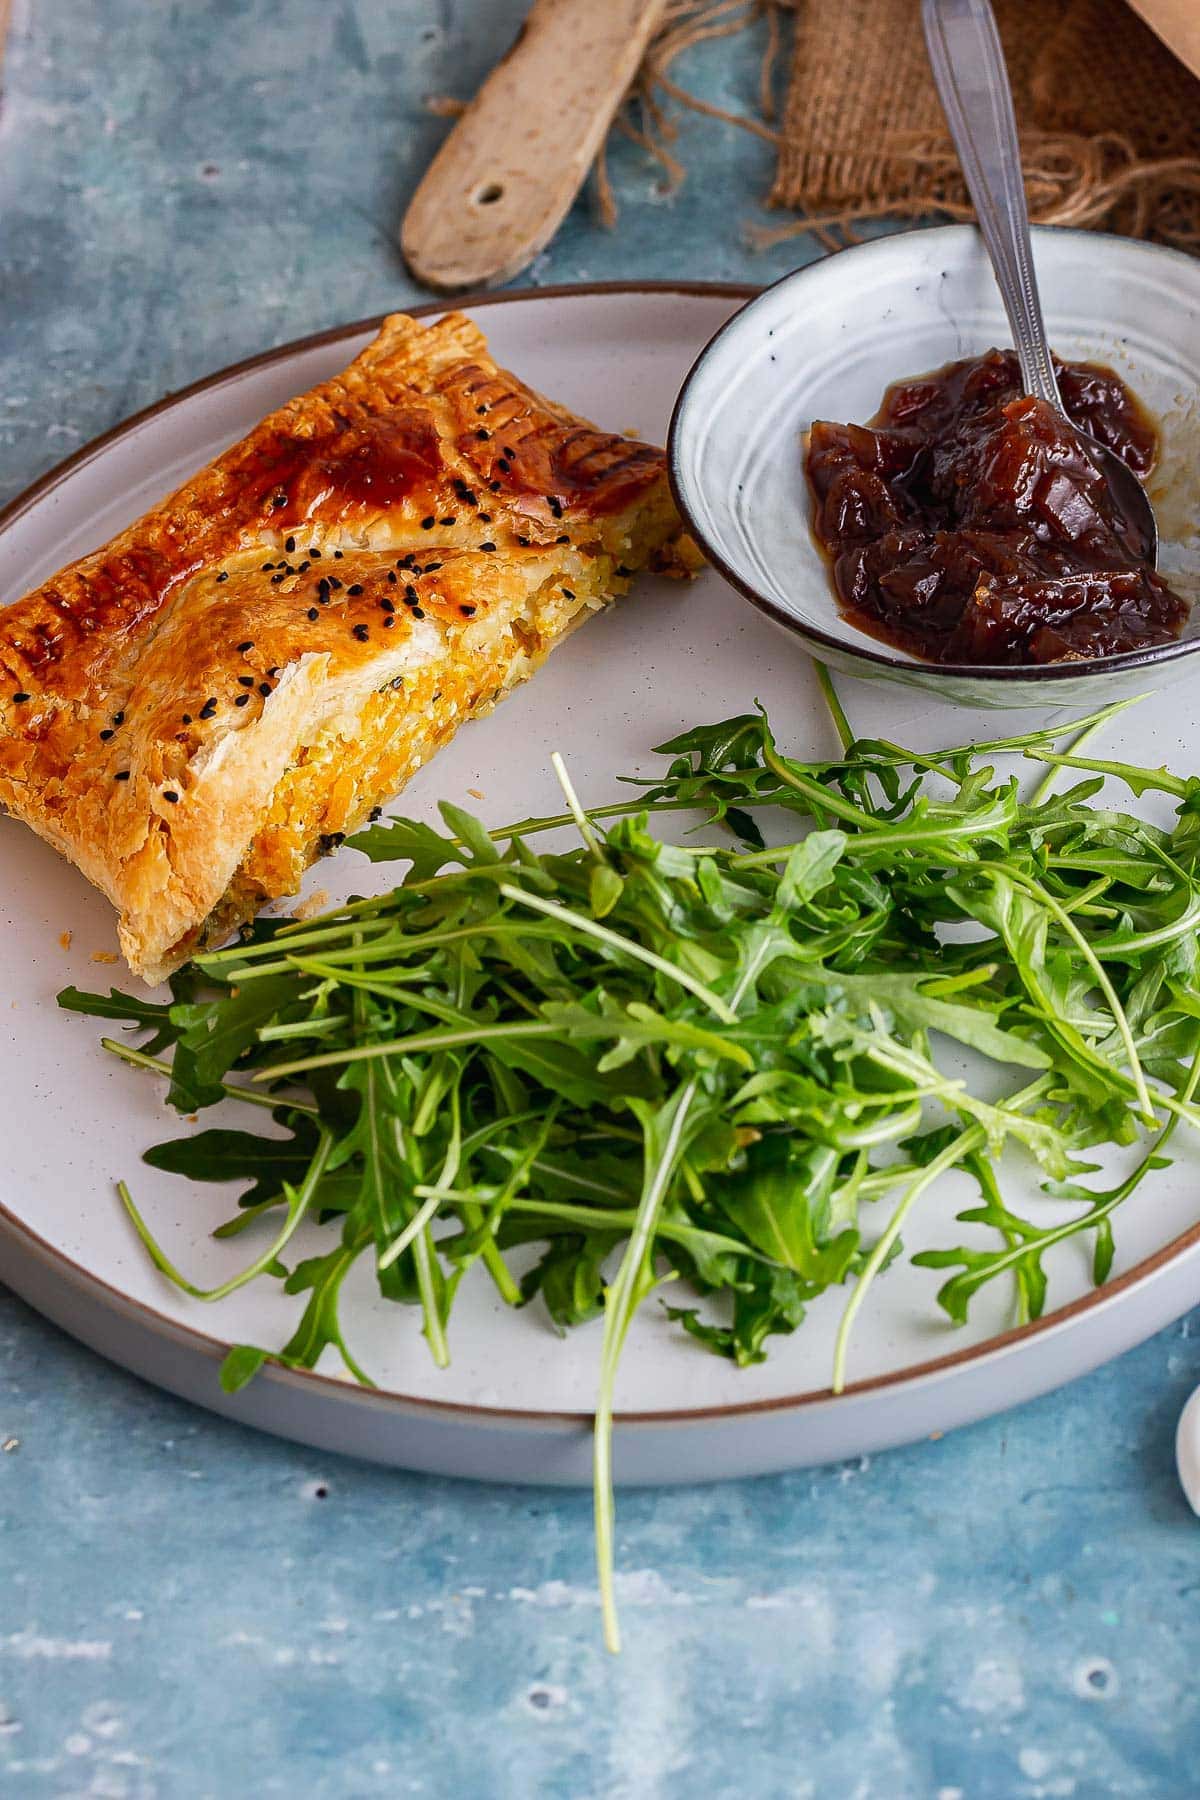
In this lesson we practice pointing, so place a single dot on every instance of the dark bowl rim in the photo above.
(950, 675)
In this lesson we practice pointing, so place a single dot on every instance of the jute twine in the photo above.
(1109, 119)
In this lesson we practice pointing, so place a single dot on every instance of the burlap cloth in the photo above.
(1109, 119)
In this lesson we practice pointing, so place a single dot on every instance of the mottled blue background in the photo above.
(187, 1609)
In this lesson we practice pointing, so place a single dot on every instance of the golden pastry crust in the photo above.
(195, 711)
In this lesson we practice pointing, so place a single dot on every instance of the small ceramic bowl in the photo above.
(827, 340)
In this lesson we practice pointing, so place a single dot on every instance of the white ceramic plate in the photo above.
(824, 343)
(514, 1404)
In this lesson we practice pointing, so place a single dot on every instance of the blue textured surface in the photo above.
(187, 1609)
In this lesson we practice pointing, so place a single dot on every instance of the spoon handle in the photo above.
(972, 83)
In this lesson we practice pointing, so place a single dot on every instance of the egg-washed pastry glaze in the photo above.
(196, 711)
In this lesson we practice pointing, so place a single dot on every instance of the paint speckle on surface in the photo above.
(993, 1686)
(31, 1646)
(1095, 1679)
(545, 1698)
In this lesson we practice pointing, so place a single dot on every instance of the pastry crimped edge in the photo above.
(195, 711)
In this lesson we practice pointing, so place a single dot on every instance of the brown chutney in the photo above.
(967, 523)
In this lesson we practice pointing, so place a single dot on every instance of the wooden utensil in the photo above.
(1177, 23)
(501, 184)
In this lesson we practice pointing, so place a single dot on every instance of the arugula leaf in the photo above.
(223, 1155)
(780, 1200)
(148, 1015)
(214, 1034)
(407, 840)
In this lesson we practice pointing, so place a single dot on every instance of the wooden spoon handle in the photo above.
(500, 185)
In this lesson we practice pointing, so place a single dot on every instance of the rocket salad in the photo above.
(712, 1065)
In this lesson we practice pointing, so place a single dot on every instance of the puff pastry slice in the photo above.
(196, 711)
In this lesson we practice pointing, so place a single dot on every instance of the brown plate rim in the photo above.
(304, 1380)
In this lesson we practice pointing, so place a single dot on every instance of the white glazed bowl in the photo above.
(827, 340)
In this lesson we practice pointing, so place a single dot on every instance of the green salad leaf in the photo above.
(720, 1063)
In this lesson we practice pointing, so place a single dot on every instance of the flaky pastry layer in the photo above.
(200, 708)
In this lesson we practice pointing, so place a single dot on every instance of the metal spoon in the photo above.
(972, 83)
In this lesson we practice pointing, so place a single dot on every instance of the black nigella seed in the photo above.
(264, 688)
(209, 708)
(393, 578)
(118, 718)
(417, 613)
(302, 568)
(483, 435)
(361, 633)
(481, 410)
(564, 537)
(389, 621)
(290, 545)
(388, 604)
(170, 796)
(246, 680)
(411, 594)
(267, 567)
(485, 518)
(355, 587)
(313, 613)
(276, 579)
(242, 700)
(428, 524)
(448, 520)
(468, 612)
(503, 467)
(337, 556)
(430, 568)
(334, 583)
(279, 500)
(105, 735)
(248, 644)
(508, 450)
(224, 575)
(488, 545)
(494, 486)
(187, 718)
(555, 505)
(314, 553)
(121, 775)
(273, 671)
(567, 594)
(524, 542)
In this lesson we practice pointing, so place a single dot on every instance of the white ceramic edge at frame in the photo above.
(492, 1443)
(483, 1444)
(988, 686)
